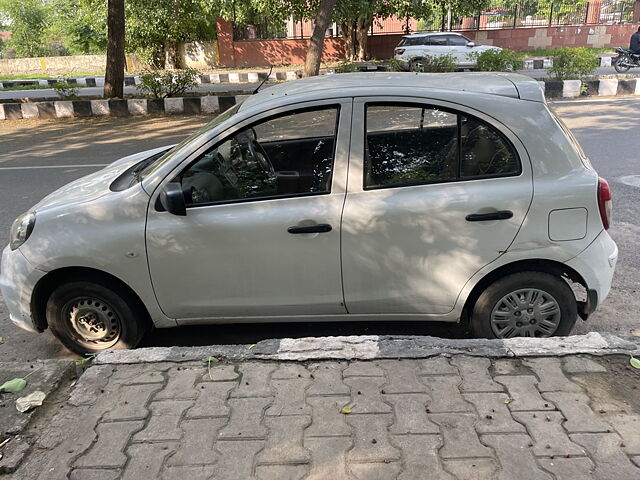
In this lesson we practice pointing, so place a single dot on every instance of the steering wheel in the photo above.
(261, 157)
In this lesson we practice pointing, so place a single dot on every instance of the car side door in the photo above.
(460, 50)
(436, 192)
(261, 234)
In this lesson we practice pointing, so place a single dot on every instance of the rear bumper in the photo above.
(596, 264)
(17, 281)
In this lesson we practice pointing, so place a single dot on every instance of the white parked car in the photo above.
(368, 196)
(413, 48)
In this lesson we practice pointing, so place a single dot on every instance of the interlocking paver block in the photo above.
(636, 460)
(375, 471)
(236, 459)
(327, 419)
(550, 375)
(131, 402)
(284, 442)
(494, 416)
(90, 385)
(420, 455)
(550, 439)
(460, 437)
(505, 366)
(328, 458)
(628, 426)
(190, 472)
(180, 384)
(475, 374)
(94, 474)
(108, 450)
(146, 460)
(327, 379)
(609, 458)
(196, 446)
(371, 439)
(410, 413)
(363, 369)
(211, 401)
(281, 472)
(366, 394)
(287, 371)
(221, 373)
(575, 408)
(136, 374)
(578, 364)
(402, 376)
(255, 380)
(163, 424)
(445, 395)
(436, 366)
(471, 469)
(523, 393)
(246, 418)
(602, 398)
(575, 468)
(289, 397)
(515, 457)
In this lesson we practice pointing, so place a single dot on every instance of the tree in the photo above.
(80, 25)
(316, 44)
(114, 76)
(28, 21)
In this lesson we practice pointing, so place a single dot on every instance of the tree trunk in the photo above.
(362, 35)
(172, 54)
(114, 77)
(348, 34)
(316, 44)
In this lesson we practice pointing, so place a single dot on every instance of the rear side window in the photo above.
(412, 41)
(408, 144)
(457, 40)
(440, 40)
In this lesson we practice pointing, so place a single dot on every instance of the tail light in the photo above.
(605, 204)
(399, 51)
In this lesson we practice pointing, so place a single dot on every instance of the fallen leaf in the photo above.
(345, 410)
(30, 401)
(209, 361)
(14, 385)
(635, 363)
(251, 346)
(1, 340)
(507, 401)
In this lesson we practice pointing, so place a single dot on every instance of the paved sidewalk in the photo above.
(445, 417)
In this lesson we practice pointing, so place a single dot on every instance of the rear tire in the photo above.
(529, 304)
(89, 317)
(617, 63)
(415, 65)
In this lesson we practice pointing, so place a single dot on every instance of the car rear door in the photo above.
(418, 222)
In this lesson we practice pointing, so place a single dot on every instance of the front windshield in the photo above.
(158, 162)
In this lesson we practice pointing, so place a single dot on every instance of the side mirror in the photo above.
(171, 199)
(471, 44)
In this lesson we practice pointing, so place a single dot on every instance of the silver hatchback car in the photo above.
(347, 197)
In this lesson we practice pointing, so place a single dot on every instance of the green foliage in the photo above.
(504, 60)
(434, 63)
(394, 65)
(573, 63)
(167, 83)
(346, 67)
(80, 25)
(66, 90)
(29, 20)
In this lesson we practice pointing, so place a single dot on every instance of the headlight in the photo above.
(21, 229)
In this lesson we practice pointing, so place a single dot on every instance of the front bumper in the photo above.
(596, 265)
(18, 278)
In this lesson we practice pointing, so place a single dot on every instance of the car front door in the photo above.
(261, 236)
(459, 49)
(435, 193)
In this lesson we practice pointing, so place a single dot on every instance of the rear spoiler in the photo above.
(528, 88)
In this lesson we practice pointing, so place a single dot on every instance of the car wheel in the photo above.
(416, 65)
(89, 317)
(527, 304)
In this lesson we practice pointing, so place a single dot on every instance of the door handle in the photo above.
(482, 217)
(317, 228)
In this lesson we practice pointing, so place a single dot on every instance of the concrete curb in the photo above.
(369, 347)
(118, 108)
(541, 63)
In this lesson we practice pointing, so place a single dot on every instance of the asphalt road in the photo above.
(38, 157)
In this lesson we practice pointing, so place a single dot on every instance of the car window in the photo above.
(457, 40)
(409, 144)
(412, 41)
(438, 41)
(287, 155)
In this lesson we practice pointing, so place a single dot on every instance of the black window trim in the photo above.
(459, 177)
(336, 106)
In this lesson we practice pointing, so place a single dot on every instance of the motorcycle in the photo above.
(625, 60)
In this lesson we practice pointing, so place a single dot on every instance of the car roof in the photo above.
(431, 34)
(348, 84)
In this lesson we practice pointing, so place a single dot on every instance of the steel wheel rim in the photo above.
(528, 312)
(93, 322)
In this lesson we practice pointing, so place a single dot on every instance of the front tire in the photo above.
(618, 63)
(89, 317)
(526, 304)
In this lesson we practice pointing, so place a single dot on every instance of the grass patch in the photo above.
(549, 52)
(46, 77)
(25, 87)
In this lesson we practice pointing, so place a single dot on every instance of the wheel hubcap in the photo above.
(93, 320)
(527, 312)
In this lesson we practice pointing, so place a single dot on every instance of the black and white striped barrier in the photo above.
(547, 62)
(118, 108)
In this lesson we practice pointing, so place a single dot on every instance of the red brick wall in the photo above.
(260, 53)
